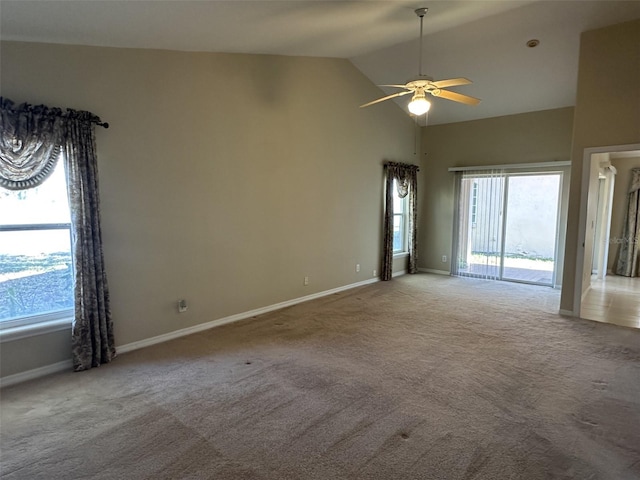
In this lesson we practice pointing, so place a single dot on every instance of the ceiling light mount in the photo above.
(534, 42)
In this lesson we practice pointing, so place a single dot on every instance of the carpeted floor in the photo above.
(424, 377)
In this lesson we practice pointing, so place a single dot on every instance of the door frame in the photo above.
(582, 222)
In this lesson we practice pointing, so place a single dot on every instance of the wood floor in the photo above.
(613, 300)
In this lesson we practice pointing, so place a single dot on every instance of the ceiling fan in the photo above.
(424, 84)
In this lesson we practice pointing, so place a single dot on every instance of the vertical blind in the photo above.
(478, 226)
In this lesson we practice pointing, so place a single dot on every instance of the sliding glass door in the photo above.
(507, 225)
(530, 230)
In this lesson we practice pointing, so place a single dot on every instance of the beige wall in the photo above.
(620, 203)
(225, 179)
(526, 138)
(607, 113)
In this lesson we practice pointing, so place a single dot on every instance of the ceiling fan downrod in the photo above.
(420, 12)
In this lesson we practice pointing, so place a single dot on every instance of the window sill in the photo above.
(401, 255)
(40, 328)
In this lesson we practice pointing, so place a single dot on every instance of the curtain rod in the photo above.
(512, 166)
(7, 104)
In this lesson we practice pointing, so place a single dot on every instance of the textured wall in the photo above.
(607, 113)
(225, 179)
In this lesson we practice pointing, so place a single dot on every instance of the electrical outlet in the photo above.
(357, 267)
(444, 259)
(182, 306)
(375, 273)
(305, 281)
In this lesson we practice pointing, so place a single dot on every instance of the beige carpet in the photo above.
(424, 377)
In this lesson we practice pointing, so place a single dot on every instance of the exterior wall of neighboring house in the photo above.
(531, 215)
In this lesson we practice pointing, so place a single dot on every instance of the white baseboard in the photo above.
(67, 364)
(235, 318)
(400, 273)
(36, 373)
(437, 272)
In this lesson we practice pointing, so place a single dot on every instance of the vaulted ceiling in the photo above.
(485, 41)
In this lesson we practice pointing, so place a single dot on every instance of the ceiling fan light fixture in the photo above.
(419, 105)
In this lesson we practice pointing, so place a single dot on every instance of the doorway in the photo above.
(507, 226)
(602, 295)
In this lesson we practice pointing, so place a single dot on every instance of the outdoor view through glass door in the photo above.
(507, 226)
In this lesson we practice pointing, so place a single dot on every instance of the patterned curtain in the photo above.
(31, 139)
(92, 335)
(30, 143)
(629, 256)
(407, 181)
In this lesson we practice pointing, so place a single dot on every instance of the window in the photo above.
(36, 266)
(400, 221)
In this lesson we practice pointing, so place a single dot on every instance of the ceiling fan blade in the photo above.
(456, 97)
(452, 82)
(385, 98)
(396, 86)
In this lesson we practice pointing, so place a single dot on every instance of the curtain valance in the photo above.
(31, 140)
(403, 173)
